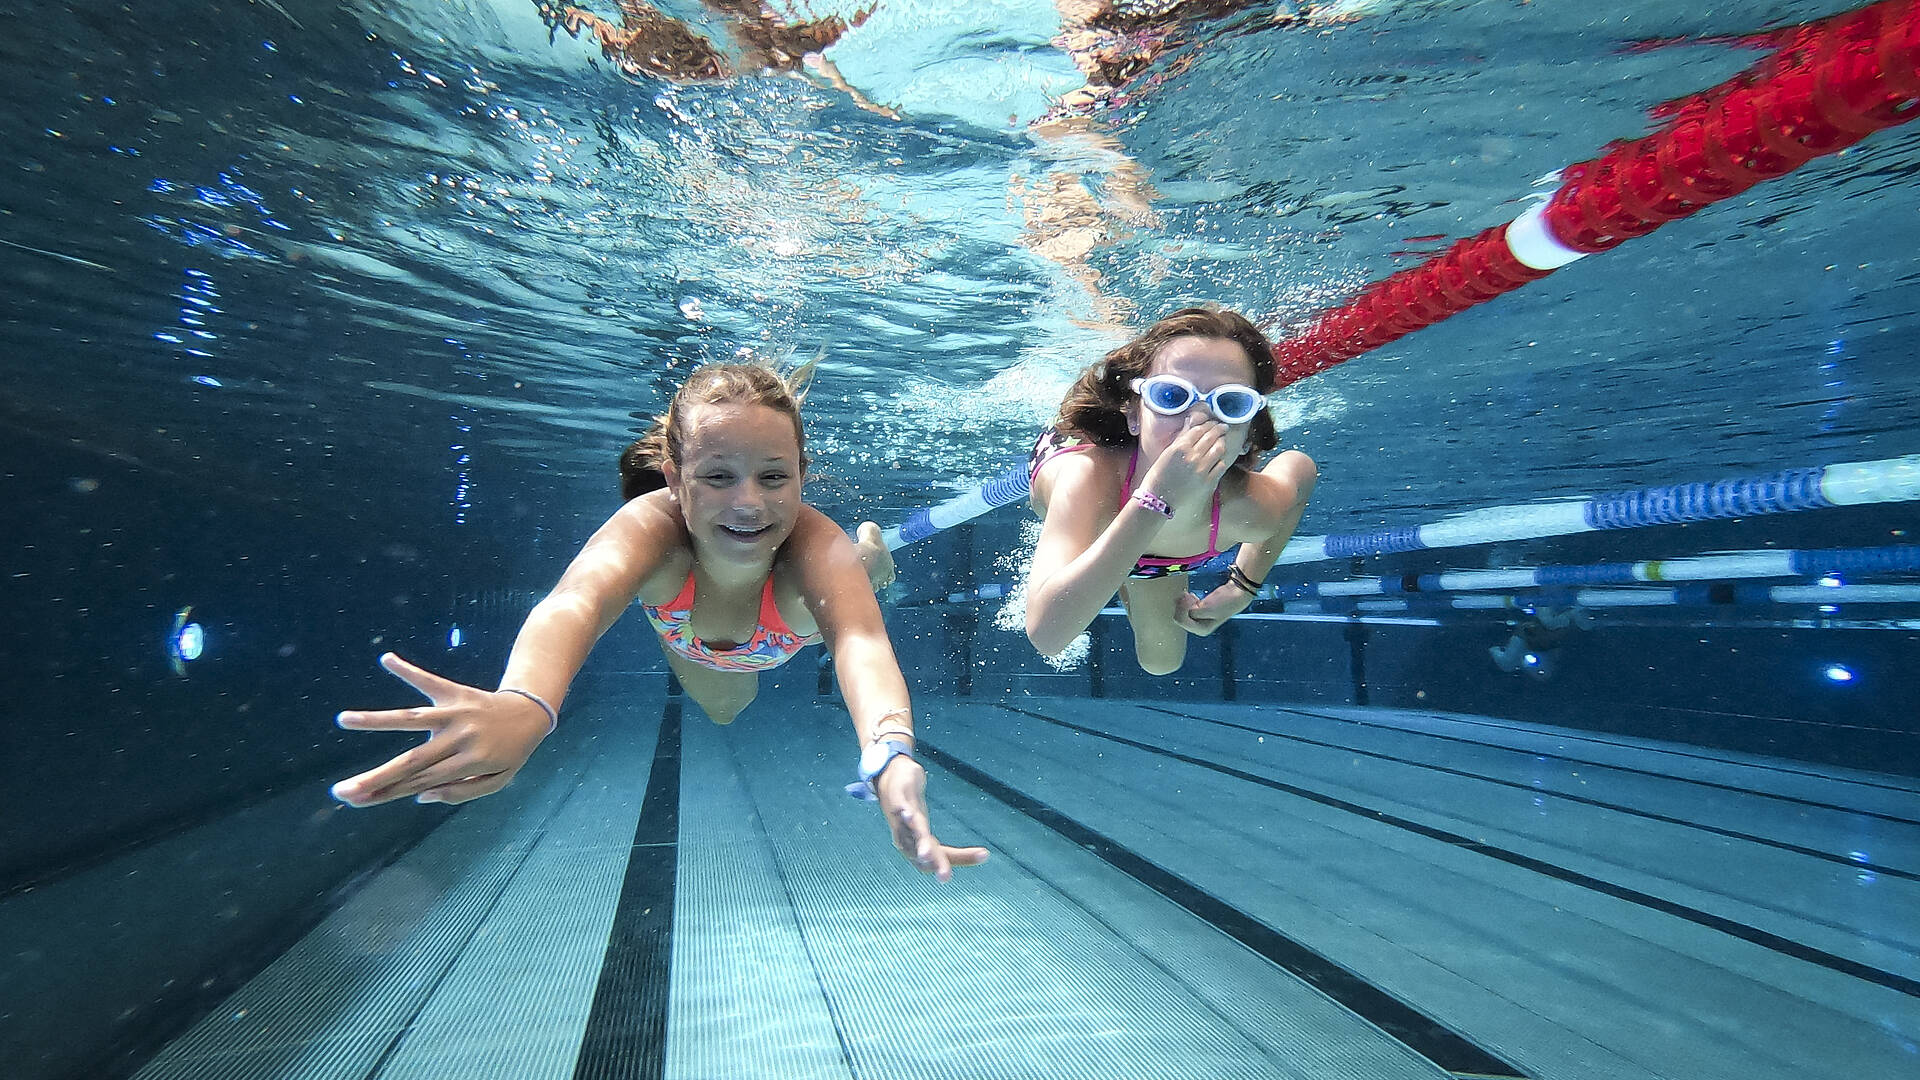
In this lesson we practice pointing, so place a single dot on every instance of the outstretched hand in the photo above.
(903, 798)
(1201, 616)
(476, 742)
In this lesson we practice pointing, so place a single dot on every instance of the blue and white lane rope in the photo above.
(1723, 567)
(1010, 486)
(1703, 595)
(1851, 483)
(1847, 483)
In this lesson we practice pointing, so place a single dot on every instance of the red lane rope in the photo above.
(1830, 84)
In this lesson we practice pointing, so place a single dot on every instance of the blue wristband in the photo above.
(874, 761)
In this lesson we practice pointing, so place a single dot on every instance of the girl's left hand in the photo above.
(1201, 616)
(903, 798)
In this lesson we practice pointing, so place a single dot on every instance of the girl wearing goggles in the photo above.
(1156, 449)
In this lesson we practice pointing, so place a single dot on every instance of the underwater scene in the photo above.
(919, 540)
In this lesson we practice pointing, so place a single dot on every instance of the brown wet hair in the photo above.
(711, 384)
(1096, 405)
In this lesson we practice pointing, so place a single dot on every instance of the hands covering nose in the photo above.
(1191, 466)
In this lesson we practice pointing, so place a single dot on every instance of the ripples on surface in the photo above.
(267, 244)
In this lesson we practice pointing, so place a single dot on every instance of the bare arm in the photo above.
(1087, 546)
(598, 585)
(837, 592)
(478, 740)
(1279, 493)
(834, 584)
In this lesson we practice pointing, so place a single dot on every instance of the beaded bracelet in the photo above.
(1153, 502)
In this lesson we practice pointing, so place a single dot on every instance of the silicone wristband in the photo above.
(553, 718)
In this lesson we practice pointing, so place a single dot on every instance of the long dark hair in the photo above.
(712, 384)
(1096, 405)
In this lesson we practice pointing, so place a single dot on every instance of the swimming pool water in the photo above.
(325, 322)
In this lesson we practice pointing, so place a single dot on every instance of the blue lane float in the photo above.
(1851, 483)
(1010, 486)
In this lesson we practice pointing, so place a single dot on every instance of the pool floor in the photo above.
(1176, 890)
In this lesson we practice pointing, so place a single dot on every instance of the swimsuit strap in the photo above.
(771, 621)
(683, 601)
(769, 618)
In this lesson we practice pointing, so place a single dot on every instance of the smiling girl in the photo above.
(1153, 456)
(736, 574)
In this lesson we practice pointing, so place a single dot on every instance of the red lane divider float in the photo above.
(1830, 84)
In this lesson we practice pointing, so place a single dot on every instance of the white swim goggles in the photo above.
(1171, 395)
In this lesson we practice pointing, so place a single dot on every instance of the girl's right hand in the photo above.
(478, 740)
(1192, 464)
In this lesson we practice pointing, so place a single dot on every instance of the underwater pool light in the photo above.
(455, 638)
(1531, 659)
(1839, 673)
(187, 641)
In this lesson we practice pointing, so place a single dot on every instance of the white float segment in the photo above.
(1746, 564)
(1454, 580)
(954, 511)
(1303, 549)
(1625, 597)
(1852, 483)
(1381, 605)
(1845, 594)
(1481, 603)
(1531, 240)
(1498, 523)
(1354, 587)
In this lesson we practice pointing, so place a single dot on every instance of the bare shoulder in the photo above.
(1267, 495)
(818, 552)
(818, 568)
(651, 527)
(1083, 477)
(815, 535)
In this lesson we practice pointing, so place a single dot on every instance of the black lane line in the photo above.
(1797, 849)
(1752, 934)
(793, 905)
(466, 939)
(1413, 1028)
(626, 1034)
(1589, 737)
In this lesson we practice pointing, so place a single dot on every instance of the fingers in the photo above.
(928, 855)
(436, 688)
(931, 858)
(420, 719)
(465, 789)
(391, 781)
(965, 856)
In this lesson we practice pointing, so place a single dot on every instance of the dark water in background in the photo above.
(328, 319)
